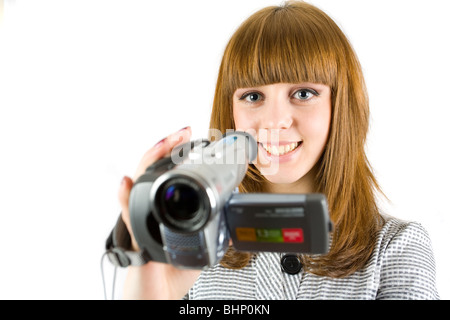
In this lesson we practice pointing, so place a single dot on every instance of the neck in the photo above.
(305, 184)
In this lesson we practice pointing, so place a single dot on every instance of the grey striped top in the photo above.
(401, 267)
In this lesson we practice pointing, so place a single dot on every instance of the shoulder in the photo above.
(406, 260)
(396, 232)
(400, 237)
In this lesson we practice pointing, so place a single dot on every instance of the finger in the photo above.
(156, 152)
(162, 149)
(179, 137)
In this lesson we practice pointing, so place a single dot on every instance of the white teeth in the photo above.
(280, 150)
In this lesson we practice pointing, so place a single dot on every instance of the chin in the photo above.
(278, 176)
(280, 180)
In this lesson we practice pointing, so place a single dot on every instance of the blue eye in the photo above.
(251, 97)
(305, 94)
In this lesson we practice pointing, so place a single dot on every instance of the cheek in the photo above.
(315, 126)
(243, 121)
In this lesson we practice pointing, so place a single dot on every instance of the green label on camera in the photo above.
(269, 235)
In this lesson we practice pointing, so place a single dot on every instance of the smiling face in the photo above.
(291, 123)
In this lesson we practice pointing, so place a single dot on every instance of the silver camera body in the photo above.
(177, 207)
(184, 209)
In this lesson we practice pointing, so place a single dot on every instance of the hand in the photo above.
(154, 280)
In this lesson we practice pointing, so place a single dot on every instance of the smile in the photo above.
(281, 149)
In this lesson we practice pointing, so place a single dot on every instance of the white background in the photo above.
(86, 87)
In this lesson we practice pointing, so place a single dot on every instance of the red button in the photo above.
(293, 235)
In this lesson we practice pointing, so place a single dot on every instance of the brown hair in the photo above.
(293, 43)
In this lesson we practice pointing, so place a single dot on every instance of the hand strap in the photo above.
(118, 248)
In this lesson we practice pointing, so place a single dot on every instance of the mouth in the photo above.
(281, 149)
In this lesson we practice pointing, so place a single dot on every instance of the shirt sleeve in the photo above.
(408, 266)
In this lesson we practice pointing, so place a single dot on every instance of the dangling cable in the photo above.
(103, 279)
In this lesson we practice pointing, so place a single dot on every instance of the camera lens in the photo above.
(181, 201)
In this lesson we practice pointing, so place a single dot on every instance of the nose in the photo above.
(277, 115)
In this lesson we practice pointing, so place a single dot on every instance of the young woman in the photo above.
(290, 75)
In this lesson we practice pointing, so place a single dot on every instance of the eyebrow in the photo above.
(302, 84)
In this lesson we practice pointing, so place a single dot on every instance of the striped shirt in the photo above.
(401, 267)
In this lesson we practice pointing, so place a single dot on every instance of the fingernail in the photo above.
(122, 182)
(160, 143)
(183, 129)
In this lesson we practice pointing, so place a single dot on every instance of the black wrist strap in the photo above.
(118, 248)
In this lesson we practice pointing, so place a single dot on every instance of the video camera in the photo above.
(185, 208)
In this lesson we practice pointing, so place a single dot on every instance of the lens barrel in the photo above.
(182, 204)
(180, 201)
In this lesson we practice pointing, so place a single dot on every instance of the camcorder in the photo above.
(185, 208)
